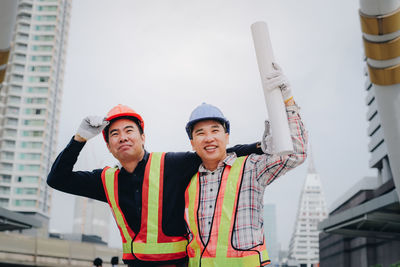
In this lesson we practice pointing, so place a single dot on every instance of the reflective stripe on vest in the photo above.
(219, 251)
(150, 244)
(110, 182)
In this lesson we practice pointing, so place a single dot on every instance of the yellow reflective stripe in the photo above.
(126, 247)
(264, 255)
(109, 177)
(193, 262)
(192, 191)
(154, 190)
(159, 248)
(246, 261)
(227, 208)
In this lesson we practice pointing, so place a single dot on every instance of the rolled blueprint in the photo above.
(281, 139)
(8, 15)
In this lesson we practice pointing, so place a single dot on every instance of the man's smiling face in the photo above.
(210, 141)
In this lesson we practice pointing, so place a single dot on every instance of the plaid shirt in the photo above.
(259, 171)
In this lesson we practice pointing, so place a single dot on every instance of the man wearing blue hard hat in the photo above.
(224, 200)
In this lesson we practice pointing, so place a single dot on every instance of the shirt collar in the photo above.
(229, 160)
(141, 164)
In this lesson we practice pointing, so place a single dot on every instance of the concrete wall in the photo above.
(37, 251)
(338, 250)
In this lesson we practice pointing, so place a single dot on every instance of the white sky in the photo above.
(165, 57)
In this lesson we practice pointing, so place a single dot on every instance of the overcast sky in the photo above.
(165, 57)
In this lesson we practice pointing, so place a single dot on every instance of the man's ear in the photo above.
(108, 146)
(143, 137)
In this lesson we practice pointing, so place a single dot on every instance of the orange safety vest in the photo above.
(219, 250)
(150, 244)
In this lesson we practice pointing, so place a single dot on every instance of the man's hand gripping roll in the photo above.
(277, 80)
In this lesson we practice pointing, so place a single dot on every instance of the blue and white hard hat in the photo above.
(206, 112)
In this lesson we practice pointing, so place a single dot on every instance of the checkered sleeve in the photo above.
(269, 167)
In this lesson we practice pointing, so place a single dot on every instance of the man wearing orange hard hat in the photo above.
(146, 194)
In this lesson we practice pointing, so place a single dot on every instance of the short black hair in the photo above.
(98, 262)
(135, 120)
(114, 260)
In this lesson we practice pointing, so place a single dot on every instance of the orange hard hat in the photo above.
(122, 111)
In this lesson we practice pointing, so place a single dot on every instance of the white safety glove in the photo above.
(266, 140)
(276, 79)
(91, 126)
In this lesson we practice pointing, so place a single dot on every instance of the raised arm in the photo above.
(269, 165)
(82, 183)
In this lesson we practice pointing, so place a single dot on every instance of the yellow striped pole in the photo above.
(380, 24)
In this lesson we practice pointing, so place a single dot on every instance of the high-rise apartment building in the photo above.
(30, 100)
(304, 244)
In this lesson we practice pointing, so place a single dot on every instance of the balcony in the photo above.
(24, 28)
(19, 58)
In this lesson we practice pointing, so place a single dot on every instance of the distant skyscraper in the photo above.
(270, 232)
(30, 100)
(304, 244)
(91, 217)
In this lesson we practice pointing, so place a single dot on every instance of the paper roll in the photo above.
(282, 141)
